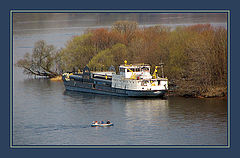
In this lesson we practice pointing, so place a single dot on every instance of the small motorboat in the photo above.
(101, 125)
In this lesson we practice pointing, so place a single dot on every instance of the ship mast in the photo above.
(161, 65)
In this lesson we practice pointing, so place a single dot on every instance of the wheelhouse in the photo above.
(135, 71)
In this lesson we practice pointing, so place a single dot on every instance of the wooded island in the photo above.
(195, 57)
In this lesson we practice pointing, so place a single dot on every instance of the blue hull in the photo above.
(118, 92)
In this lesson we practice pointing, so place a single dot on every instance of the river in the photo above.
(45, 114)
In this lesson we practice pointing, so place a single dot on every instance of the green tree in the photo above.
(102, 61)
(112, 56)
(78, 52)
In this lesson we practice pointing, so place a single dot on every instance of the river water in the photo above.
(45, 114)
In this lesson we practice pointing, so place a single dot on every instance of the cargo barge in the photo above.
(132, 80)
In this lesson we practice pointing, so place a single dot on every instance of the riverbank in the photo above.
(190, 92)
(215, 92)
(57, 78)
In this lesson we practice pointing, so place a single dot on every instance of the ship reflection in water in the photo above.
(146, 111)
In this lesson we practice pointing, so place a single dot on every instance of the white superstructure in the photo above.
(138, 77)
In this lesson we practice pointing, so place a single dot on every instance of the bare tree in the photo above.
(41, 62)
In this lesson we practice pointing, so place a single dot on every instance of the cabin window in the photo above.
(145, 69)
(122, 70)
(137, 69)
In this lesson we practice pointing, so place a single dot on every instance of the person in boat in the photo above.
(102, 122)
(108, 122)
(96, 123)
